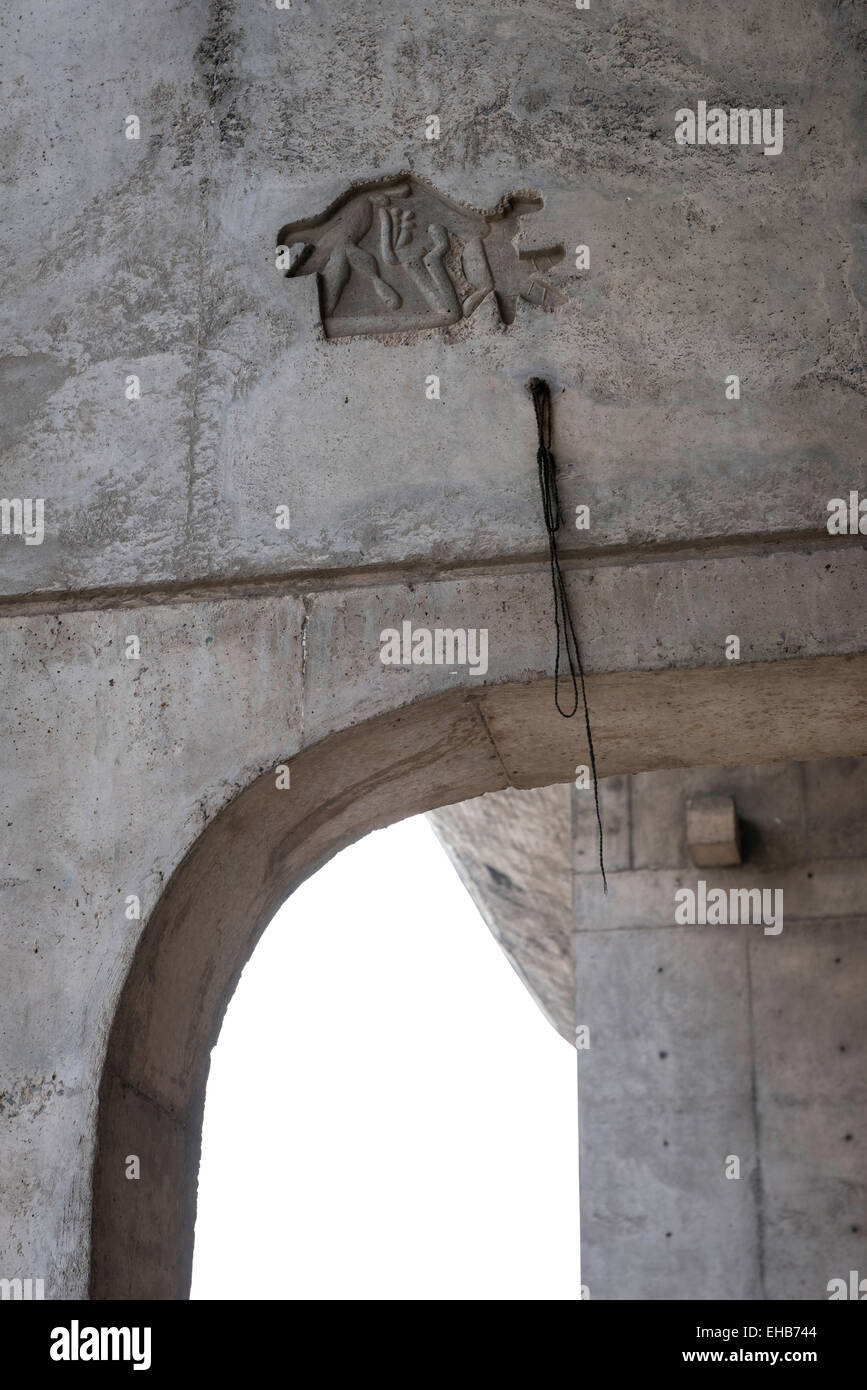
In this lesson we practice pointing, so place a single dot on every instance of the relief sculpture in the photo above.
(398, 256)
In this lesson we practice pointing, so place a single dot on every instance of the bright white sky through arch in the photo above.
(389, 1115)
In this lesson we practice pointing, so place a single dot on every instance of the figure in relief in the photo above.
(398, 256)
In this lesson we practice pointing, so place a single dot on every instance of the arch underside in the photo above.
(256, 852)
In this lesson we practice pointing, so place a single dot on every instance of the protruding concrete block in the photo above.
(712, 831)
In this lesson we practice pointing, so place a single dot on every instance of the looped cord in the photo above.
(565, 629)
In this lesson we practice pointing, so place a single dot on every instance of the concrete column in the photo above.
(723, 1049)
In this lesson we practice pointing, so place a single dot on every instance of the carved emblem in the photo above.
(397, 256)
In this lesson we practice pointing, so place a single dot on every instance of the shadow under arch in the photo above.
(248, 860)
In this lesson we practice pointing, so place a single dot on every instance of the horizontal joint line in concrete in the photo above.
(299, 582)
(816, 921)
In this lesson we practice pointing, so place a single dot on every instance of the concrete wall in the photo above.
(722, 1100)
(714, 1042)
(155, 258)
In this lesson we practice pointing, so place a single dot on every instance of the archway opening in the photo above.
(261, 847)
(389, 1114)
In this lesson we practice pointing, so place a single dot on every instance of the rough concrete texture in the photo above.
(512, 849)
(155, 258)
(708, 1043)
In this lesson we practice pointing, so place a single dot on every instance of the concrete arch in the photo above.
(260, 847)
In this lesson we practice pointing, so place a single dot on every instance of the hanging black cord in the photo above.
(564, 627)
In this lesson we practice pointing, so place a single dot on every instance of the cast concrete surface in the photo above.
(697, 1044)
(168, 391)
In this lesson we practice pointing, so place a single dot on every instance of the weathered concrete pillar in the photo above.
(722, 1094)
